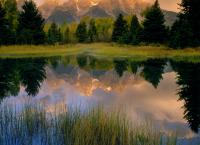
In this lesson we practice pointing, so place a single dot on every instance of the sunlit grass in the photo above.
(35, 126)
(101, 50)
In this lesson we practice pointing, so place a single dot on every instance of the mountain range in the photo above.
(72, 10)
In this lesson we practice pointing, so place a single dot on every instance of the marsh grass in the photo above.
(108, 50)
(35, 126)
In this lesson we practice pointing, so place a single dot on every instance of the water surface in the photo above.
(164, 92)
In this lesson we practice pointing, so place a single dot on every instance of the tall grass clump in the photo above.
(36, 126)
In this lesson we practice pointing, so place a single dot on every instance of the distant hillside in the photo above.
(170, 17)
(96, 11)
(73, 10)
(59, 16)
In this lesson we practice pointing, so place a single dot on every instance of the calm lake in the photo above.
(164, 92)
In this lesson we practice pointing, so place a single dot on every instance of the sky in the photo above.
(171, 5)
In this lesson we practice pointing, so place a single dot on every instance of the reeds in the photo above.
(35, 126)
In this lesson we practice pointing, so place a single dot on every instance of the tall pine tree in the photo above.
(181, 33)
(135, 31)
(191, 8)
(54, 34)
(188, 32)
(31, 24)
(12, 16)
(5, 33)
(11, 13)
(154, 30)
(81, 32)
(120, 31)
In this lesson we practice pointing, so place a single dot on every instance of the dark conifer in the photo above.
(186, 30)
(120, 31)
(181, 34)
(154, 30)
(5, 33)
(31, 24)
(135, 31)
(54, 34)
(191, 10)
(81, 32)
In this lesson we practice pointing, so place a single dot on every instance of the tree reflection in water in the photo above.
(29, 73)
(188, 78)
(153, 70)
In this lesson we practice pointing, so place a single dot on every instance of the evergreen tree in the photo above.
(11, 13)
(186, 31)
(135, 31)
(154, 30)
(31, 24)
(66, 36)
(81, 32)
(181, 34)
(5, 33)
(190, 8)
(92, 32)
(54, 34)
(10, 7)
(120, 31)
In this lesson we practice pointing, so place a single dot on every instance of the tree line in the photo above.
(27, 26)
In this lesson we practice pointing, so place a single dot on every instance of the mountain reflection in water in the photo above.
(163, 91)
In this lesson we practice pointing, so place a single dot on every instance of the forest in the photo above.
(27, 26)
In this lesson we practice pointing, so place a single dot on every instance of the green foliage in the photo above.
(186, 31)
(66, 35)
(5, 29)
(181, 34)
(135, 31)
(104, 28)
(81, 32)
(54, 34)
(190, 8)
(31, 24)
(11, 13)
(154, 30)
(120, 30)
(92, 32)
(27, 27)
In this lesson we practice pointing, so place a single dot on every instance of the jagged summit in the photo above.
(81, 7)
(72, 10)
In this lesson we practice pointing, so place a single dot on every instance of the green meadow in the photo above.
(107, 50)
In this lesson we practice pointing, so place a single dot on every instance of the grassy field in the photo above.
(36, 126)
(108, 50)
